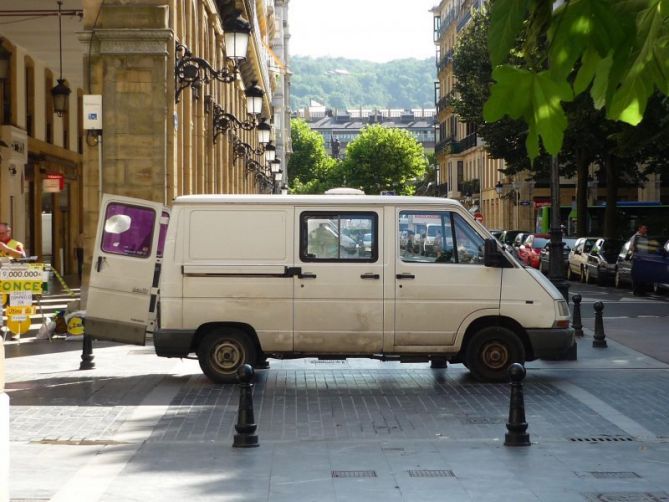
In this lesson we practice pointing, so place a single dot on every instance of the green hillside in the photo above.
(350, 83)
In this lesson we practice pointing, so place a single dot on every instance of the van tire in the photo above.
(220, 353)
(491, 351)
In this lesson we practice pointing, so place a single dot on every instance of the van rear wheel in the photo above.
(221, 353)
(491, 351)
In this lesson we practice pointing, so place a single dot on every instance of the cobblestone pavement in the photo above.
(144, 428)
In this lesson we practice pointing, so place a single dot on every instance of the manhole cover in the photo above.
(601, 439)
(483, 420)
(431, 473)
(614, 475)
(353, 474)
(627, 497)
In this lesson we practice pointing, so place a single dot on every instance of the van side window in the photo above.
(426, 237)
(128, 230)
(342, 237)
(469, 243)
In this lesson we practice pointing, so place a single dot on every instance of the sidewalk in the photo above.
(144, 428)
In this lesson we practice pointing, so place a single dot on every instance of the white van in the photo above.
(234, 279)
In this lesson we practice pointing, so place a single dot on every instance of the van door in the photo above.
(338, 306)
(436, 290)
(124, 277)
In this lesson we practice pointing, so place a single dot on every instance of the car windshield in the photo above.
(539, 242)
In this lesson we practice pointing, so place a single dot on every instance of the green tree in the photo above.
(309, 167)
(383, 158)
(617, 50)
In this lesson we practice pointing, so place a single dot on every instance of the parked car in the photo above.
(544, 259)
(600, 263)
(644, 268)
(508, 236)
(517, 242)
(497, 234)
(577, 257)
(529, 251)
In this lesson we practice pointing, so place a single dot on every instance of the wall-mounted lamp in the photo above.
(191, 71)
(278, 176)
(61, 92)
(275, 166)
(499, 188)
(224, 120)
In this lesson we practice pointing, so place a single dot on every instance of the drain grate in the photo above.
(431, 473)
(614, 475)
(627, 497)
(79, 442)
(354, 474)
(483, 420)
(601, 439)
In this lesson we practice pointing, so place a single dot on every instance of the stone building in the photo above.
(175, 91)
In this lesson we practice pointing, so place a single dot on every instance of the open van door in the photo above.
(123, 285)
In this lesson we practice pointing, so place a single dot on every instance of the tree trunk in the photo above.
(611, 213)
(581, 195)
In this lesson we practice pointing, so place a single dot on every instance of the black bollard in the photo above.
(576, 323)
(87, 354)
(517, 426)
(245, 426)
(599, 337)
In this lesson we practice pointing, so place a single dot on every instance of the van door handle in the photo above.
(405, 276)
(370, 276)
(101, 259)
(307, 275)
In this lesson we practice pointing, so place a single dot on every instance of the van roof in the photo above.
(321, 200)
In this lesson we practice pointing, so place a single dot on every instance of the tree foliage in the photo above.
(349, 83)
(309, 167)
(383, 158)
(617, 50)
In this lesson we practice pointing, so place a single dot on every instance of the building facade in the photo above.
(175, 110)
(340, 127)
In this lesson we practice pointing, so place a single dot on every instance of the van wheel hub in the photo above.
(227, 355)
(495, 355)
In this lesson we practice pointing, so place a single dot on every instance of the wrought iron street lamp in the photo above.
(192, 71)
(61, 92)
(224, 120)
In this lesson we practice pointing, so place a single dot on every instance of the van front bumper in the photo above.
(551, 342)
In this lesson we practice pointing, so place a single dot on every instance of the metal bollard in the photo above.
(599, 337)
(87, 354)
(517, 426)
(245, 426)
(576, 323)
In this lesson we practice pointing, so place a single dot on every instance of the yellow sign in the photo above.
(20, 311)
(7, 286)
(75, 326)
(18, 324)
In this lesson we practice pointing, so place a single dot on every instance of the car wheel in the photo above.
(221, 353)
(491, 351)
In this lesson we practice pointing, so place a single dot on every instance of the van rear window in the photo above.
(128, 230)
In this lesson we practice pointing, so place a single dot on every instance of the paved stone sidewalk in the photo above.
(144, 428)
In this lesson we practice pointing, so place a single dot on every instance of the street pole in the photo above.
(555, 263)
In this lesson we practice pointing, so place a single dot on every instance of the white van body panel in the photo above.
(121, 288)
(260, 266)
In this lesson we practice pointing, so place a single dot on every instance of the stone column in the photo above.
(129, 60)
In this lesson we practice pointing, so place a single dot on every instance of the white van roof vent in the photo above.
(344, 191)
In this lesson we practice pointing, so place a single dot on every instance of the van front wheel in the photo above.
(221, 353)
(491, 351)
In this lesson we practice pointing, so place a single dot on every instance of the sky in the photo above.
(372, 30)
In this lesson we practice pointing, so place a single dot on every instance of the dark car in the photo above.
(600, 262)
(647, 247)
(508, 236)
(567, 245)
(651, 269)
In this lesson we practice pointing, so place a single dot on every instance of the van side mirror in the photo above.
(491, 255)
